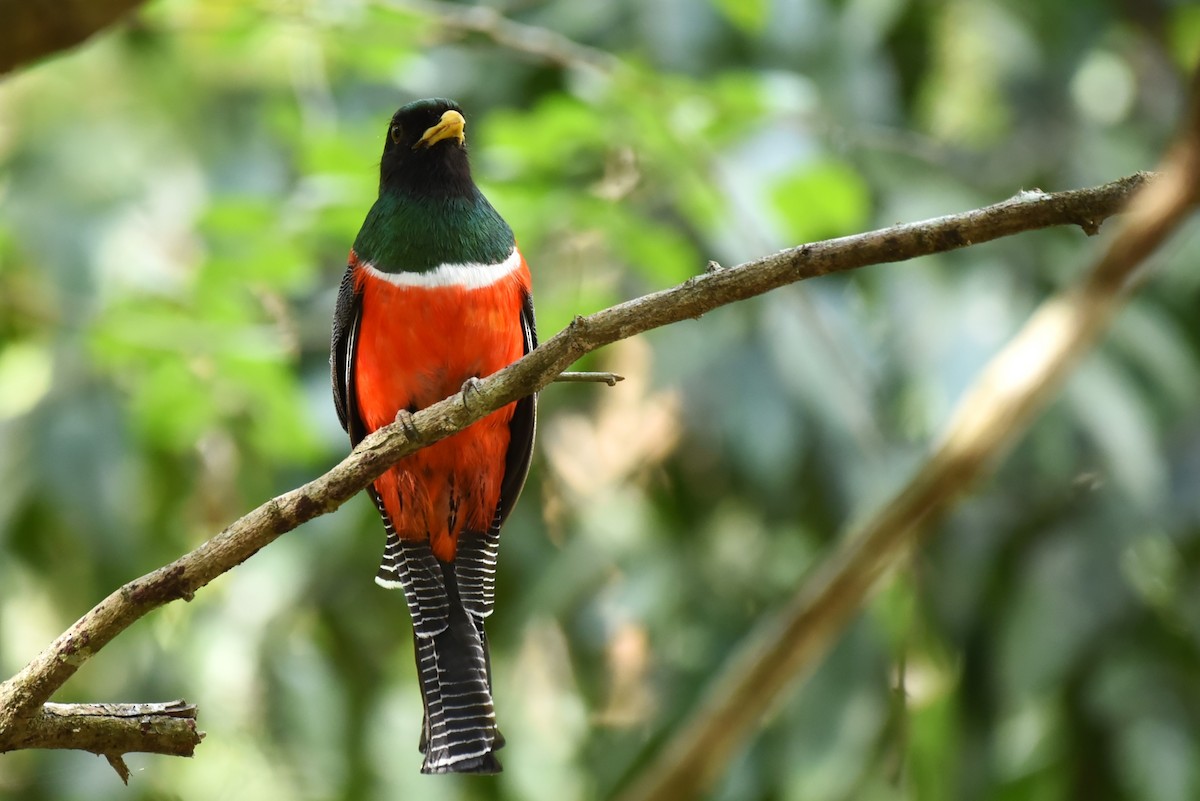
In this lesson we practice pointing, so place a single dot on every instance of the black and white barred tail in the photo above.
(448, 603)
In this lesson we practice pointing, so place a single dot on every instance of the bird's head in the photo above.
(425, 150)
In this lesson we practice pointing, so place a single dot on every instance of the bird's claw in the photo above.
(404, 419)
(469, 387)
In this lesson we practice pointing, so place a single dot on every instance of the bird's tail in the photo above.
(459, 733)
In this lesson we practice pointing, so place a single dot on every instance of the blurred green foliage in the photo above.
(176, 203)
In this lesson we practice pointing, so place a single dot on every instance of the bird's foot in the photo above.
(404, 419)
(470, 387)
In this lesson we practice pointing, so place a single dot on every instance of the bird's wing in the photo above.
(414, 568)
(347, 316)
(520, 428)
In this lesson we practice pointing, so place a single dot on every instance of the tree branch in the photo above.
(994, 412)
(36, 28)
(112, 730)
(22, 696)
(540, 43)
(165, 728)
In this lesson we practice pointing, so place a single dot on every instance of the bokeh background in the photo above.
(177, 198)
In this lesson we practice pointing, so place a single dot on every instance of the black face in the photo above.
(426, 167)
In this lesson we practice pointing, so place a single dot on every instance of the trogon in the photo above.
(436, 294)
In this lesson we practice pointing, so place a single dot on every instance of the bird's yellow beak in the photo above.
(451, 125)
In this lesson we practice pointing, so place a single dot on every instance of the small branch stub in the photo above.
(589, 378)
(111, 730)
(118, 764)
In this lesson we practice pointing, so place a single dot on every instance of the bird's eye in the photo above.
(396, 133)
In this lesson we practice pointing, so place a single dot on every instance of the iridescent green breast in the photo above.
(404, 233)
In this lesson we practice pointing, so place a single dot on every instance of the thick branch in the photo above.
(23, 695)
(112, 729)
(995, 411)
(36, 28)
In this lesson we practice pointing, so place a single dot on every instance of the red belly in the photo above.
(417, 346)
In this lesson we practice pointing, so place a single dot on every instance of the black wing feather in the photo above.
(347, 315)
(521, 429)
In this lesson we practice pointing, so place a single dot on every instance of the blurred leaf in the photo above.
(173, 406)
(749, 15)
(820, 201)
(654, 249)
(560, 136)
(933, 746)
(1183, 27)
(25, 377)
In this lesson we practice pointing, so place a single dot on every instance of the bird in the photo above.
(435, 296)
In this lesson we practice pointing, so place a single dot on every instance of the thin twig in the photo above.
(1004, 400)
(589, 378)
(22, 696)
(540, 43)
